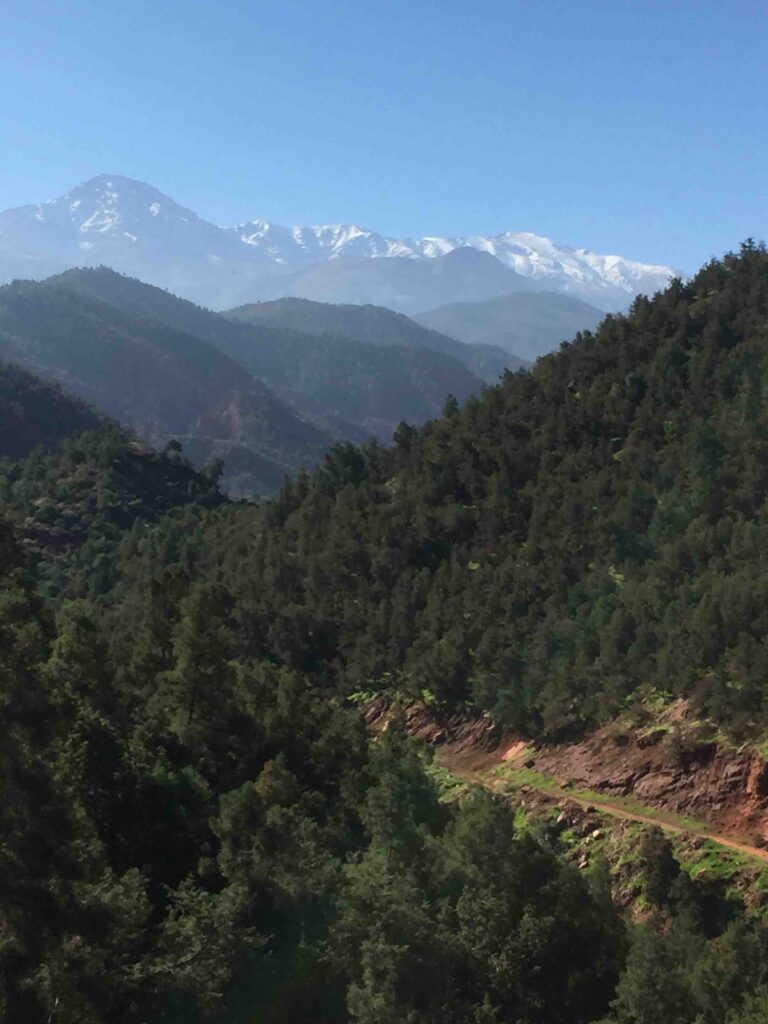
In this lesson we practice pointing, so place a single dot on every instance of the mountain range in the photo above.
(136, 229)
(267, 389)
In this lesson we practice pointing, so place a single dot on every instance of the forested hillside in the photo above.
(574, 537)
(191, 832)
(374, 325)
(195, 823)
(162, 381)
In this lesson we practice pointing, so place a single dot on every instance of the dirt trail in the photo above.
(605, 806)
(726, 790)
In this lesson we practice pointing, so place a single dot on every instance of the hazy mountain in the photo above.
(374, 325)
(135, 229)
(404, 285)
(161, 381)
(529, 324)
(348, 387)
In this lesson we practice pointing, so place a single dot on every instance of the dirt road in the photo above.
(605, 805)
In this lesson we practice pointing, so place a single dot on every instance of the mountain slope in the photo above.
(354, 389)
(529, 324)
(33, 412)
(137, 230)
(373, 325)
(196, 823)
(158, 380)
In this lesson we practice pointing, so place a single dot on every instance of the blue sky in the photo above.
(632, 127)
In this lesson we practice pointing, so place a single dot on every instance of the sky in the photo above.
(638, 128)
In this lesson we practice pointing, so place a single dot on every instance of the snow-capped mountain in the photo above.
(608, 281)
(135, 229)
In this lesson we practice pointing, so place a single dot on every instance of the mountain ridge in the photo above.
(161, 381)
(375, 325)
(347, 387)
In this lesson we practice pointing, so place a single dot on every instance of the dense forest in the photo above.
(570, 540)
(195, 824)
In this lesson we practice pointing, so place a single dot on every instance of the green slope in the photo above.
(197, 826)
(580, 534)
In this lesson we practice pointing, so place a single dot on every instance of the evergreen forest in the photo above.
(196, 822)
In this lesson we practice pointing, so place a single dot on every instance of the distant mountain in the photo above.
(34, 412)
(529, 324)
(163, 382)
(134, 228)
(374, 325)
(609, 282)
(406, 286)
(348, 387)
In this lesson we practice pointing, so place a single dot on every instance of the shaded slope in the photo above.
(157, 379)
(34, 412)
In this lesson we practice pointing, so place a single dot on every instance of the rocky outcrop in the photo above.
(723, 786)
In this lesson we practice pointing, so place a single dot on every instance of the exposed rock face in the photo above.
(725, 787)
(475, 743)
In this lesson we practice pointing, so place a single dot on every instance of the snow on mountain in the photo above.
(135, 229)
(108, 213)
(609, 281)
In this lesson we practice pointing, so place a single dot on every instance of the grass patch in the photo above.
(715, 861)
(449, 786)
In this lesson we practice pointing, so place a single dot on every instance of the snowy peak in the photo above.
(134, 228)
(299, 246)
(108, 205)
(577, 271)
(127, 225)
